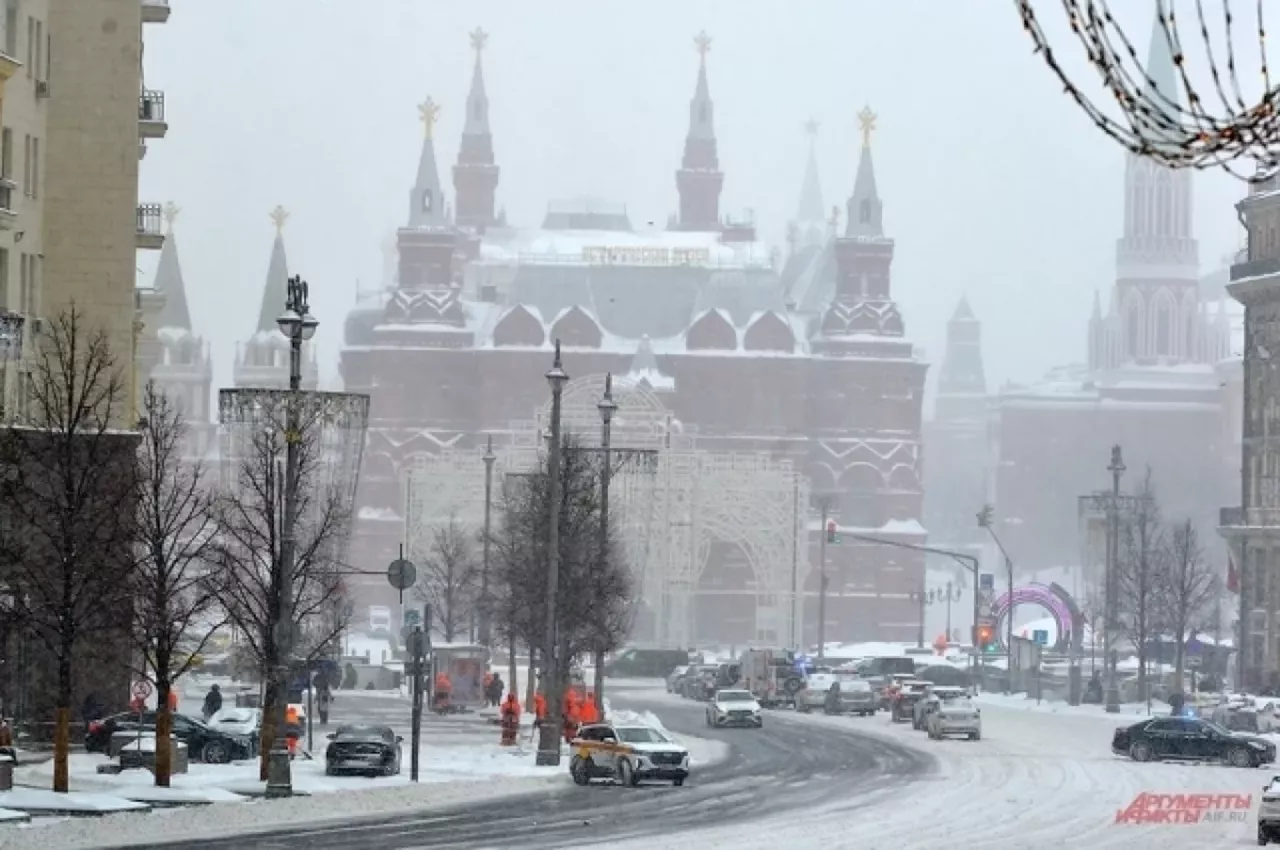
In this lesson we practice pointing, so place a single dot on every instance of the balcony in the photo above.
(151, 123)
(150, 232)
(1255, 268)
(1236, 517)
(155, 11)
(8, 215)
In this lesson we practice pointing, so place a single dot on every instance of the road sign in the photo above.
(142, 689)
(1040, 636)
(987, 581)
(412, 618)
(1194, 647)
(402, 574)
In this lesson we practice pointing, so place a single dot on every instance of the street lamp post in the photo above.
(1116, 468)
(984, 521)
(298, 326)
(822, 581)
(607, 407)
(486, 606)
(549, 740)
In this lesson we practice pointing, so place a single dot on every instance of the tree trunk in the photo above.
(1179, 658)
(269, 717)
(164, 727)
(62, 721)
(531, 682)
(599, 682)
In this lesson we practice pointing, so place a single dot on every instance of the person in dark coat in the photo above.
(495, 690)
(92, 709)
(212, 702)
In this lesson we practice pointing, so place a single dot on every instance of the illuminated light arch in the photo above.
(1053, 599)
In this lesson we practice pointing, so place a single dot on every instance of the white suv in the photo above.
(956, 717)
(734, 708)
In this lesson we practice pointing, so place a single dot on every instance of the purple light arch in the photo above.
(1035, 594)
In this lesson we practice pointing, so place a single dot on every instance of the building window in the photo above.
(31, 40)
(38, 50)
(1189, 341)
(35, 167)
(426, 200)
(26, 165)
(11, 28)
(1134, 330)
(24, 284)
(1164, 329)
(864, 211)
(6, 153)
(4, 278)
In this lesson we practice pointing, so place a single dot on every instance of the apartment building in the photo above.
(75, 118)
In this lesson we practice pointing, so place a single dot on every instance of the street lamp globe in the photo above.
(289, 323)
(309, 324)
(557, 377)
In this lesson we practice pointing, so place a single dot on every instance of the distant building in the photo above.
(811, 365)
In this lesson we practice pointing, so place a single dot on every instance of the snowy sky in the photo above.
(994, 183)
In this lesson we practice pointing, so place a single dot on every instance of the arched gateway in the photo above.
(674, 500)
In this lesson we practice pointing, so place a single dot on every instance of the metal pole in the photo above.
(920, 626)
(606, 406)
(1116, 468)
(795, 556)
(822, 586)
(310, 705)
(549, 741)
(415, 724)
(279, 770)
(1008, 630)
(948, 612)
(486, 615)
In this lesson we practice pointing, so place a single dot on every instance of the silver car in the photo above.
(956, 717)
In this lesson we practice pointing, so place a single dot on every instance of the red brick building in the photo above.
(809, 364)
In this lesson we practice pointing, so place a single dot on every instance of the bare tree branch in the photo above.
(450, 577)
(1187, 591)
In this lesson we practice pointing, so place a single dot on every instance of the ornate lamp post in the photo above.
(549, 740)
(607, 407)
(298, 326)
(1116, 468)
(486, 612)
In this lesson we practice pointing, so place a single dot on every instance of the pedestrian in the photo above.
(495, 690)
(173, 699)
(572, 704)
(510, 720)
(292, 729)
(539, 709)
(443, 688)
(589, 712)
(92, 709)
(323, 699)
(212, 702)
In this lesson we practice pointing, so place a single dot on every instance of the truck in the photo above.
(771, 676)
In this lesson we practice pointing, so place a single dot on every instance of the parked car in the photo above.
(934, 696)
(675, 677)
(374, 750)
(204, 743)
(1269, 813)
(902, 707)
(836, 692)
(627, 753)
(246, 722)
(734, 707)
(955, 716)
(1188, 739)
(700, 682)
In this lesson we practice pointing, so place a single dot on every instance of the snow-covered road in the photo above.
(1035, 780)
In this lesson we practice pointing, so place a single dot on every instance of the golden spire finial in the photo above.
(479, 38)
(171, 211)
(702, 42)
(811, 127)
(867, 120)
(428, 112)
(279, 216)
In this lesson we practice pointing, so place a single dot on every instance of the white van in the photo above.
(379, 619)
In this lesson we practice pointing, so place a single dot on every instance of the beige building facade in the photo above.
(74, 124)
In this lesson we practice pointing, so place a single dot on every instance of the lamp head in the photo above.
(556, 375)
(607, 406)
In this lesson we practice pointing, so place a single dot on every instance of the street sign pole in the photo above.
(416, 723)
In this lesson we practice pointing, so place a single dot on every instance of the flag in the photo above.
(1233, 574)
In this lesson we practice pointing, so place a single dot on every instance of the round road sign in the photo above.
(142, 689)
(402, 574)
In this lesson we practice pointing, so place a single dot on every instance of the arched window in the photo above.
(1134, 331)
(426, 200)
(864, 211)
(1164, 329)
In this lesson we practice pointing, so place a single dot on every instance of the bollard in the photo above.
(8, 760)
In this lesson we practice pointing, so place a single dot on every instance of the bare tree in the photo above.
(66, 500)
(591, 590)
(1140, 567)
(247, 551)
(1187, 591)
(176, 610)
(449, 576)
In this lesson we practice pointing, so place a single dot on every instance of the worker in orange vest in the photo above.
(571, 706)
(443, 688)
(539, 708)
(588, 712)
(292, 729)
(173, 700)
(510, 720)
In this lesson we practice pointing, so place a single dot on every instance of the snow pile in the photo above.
(1129, 712)
(218, 821)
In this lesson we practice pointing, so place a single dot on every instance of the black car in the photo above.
(1191, 739)
(646, 662)
(374, 750)
(203, 742)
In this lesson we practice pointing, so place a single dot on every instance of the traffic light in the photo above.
(984, 517)
(986, 638)
(833, 535)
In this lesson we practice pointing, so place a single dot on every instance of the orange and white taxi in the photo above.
(628, 753)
